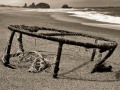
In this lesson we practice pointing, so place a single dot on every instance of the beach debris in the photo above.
(55, 35)
(39, 62)
(101, 67)
(94, 51)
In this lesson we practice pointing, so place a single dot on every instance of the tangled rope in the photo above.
(39, 63)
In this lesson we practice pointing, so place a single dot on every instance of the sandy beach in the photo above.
(75, 68)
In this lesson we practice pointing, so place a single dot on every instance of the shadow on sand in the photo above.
(64, 75)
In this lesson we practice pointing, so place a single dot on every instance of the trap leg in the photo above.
(56, 69)
(6, 57)
(21, 49)
(100, 65)
(20, 43)
(106, 57)
(94, 51)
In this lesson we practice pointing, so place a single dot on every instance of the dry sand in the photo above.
(74, 69)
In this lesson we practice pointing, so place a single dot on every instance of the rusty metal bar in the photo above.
(60, 32)
(98, 65)
(6, 57)
(20, 43)
(55, 39)
(56, 69)
(94, 51)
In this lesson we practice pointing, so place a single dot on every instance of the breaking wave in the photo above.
(83, 13)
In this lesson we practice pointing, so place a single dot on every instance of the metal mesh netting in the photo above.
(70, 53)
(77, 49)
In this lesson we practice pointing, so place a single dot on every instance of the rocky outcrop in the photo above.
(25, 6)
(66, 6)
(39, 5)
(32, 5)
(42, 5)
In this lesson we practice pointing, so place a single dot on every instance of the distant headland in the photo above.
(39, 5)
(9, 6)
(42, 5)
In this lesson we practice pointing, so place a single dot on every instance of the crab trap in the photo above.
(41, 43)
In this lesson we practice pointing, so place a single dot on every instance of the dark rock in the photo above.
(66, 6)
(25, 6)
(32, 5)
(42, 5)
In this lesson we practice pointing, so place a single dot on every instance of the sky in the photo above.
(59, 3)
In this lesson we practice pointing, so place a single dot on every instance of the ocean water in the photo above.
(108, 15)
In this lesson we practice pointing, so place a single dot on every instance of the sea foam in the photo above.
(50, 10)
(91, 15)
(97, 16)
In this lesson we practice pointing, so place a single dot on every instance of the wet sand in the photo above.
(74, 68)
